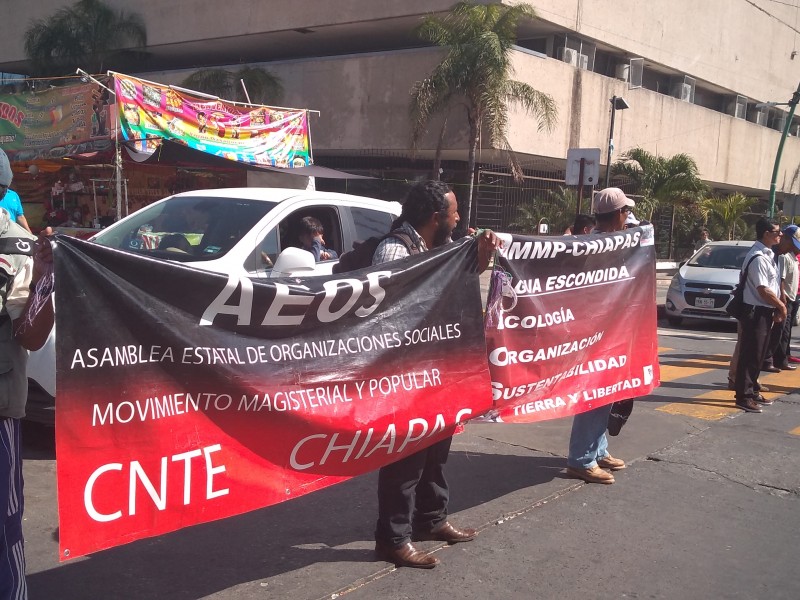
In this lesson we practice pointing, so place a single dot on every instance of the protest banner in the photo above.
(186, 396)
(256, 135)
(571, 324)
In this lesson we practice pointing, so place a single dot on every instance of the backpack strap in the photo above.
(743, 276)
(406, 240)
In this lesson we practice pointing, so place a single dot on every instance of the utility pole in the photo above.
(774, 182)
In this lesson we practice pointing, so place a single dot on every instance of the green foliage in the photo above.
(661, 180)
(728, 212)
(557, 210)
(476, 73)
(88, 34)
(262, 86)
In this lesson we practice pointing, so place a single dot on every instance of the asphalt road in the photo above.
(708, 508)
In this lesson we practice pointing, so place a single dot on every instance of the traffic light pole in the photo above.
(774, 183)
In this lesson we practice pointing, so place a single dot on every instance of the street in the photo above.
(708, 508)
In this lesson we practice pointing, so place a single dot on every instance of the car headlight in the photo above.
(675, 284)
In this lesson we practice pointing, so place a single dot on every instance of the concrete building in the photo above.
(693, 73)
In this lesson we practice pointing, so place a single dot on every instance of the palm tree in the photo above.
(557, 210)
(88, 34)
(672, 181)
(476, 72)
(262, 86)
(728, 211)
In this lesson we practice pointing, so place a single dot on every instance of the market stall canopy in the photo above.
(250, 134)
(173, 153)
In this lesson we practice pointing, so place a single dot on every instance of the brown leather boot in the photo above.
(445, 532)
(405, 556)
(609, 462)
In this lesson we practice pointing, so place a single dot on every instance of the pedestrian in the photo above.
(763, 307)
(9, 199)
(704, 239)
(583, 224)
(23, 264)
(413, 493)
(778, 353)
(588, 445)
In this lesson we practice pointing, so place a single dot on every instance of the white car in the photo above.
(702, 286)
(234, 230)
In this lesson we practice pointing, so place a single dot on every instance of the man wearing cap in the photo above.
(763, 307)
(588, 446)
(9, 199)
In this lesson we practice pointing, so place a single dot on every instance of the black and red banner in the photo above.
(186, 396)
(571, 324)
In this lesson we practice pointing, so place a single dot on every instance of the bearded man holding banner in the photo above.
(588, 445)
(413, 492)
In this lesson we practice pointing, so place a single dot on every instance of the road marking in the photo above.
(718, 404)
(710, 406)
(696, 336)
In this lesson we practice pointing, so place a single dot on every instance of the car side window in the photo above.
(370, 223)
(288, 233)
(262, 259)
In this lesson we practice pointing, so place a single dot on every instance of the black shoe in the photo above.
(788, 368)
(770, 369)
(759, 399)
(749, 405)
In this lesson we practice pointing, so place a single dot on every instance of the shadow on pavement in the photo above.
(333, 525)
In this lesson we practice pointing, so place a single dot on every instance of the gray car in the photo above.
(702, 286)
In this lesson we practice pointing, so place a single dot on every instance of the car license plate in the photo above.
(704, 302)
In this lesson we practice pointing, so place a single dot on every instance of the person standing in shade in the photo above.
(588, 445)
(412, 492)
(763, 308)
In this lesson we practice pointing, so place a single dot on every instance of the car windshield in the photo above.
(186, 228)
(720, 257)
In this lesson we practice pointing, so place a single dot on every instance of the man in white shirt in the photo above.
(764, 306)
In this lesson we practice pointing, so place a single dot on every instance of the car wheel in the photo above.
(675, 321)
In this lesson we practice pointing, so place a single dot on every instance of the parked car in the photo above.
(702, 286)
(230, 231)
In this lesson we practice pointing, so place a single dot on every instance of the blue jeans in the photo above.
(588, 440)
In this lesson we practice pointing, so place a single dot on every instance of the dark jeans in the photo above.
(771, 358)
(755, 334)
(412, 494)
(783, 351)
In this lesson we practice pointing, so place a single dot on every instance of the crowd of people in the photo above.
(413, 492)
